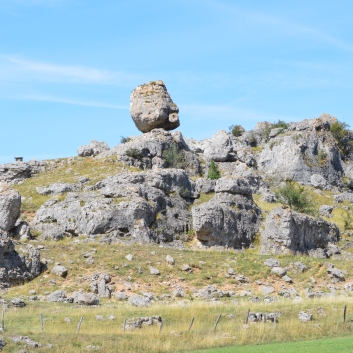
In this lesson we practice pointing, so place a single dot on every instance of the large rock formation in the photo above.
(287, 231)
(92, 149)
(151, 107)
(148, 151)
(14, 268)
(150, 206)
(230, 218)
(305, 151)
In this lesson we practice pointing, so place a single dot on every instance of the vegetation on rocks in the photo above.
(236, 130)
(213, 172)
(296, 197)
(174, 158)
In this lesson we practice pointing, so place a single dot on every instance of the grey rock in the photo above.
(120, 296)
(227, 219)
(304, 316)
(185, 267)
(100, 318)
(111, 317)
(16, 172)
(288, 231)
(272, 263)
(209, 292)
(336, 274)
(170, 260)
(57, 296)
(279, 271)
(287, 279)
(151, 107)
(296, 155)
(2, 344)
(18, 303)
(59, 270)
(231, 271)
(94, 148)
(21, 231)
(233, 186)
(318, 181)
(86, 299)
(58, 188)
(26, 340)
(241, 279)
(129, 257)
(326, 210)
(219, 147)
(134, 323)
(205, 186)
(139, 301)
(10, 205)
(268, 196)
(154, 271)
(300, 266)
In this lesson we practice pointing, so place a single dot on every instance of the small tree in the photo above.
(341, 134)
(280, 124)
(124, 139)
(237, 130)
(213, 172)
(134, 153)
(296, 197)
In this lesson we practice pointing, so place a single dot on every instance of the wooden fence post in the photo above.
(274, 321)
(191, 323)
(344, 313)
(79, 325)
(41, 321)
(124, 325)
(161, 326)
(219, 317)
(3, 319)
(247, 317)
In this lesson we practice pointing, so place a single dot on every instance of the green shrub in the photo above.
(174, 158)
(296, 197)
(236, 130)
(213, 172)
(124, 139)
(134, 153)
(280, 124)
(322, 157)
(348, 221)
(184, 192)
(340, 133)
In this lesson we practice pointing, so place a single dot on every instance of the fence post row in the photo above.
(79, 325)
(191, 323)
(344, 313)
(215, 326)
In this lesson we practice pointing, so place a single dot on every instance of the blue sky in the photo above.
(67, 67)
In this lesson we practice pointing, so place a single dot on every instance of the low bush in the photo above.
(296, 197)
(124, 139)
(341, 134)
(213, 172)
(134, 153)
(236, 130)
(174, 158)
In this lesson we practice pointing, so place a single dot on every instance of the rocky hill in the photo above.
(221, 193)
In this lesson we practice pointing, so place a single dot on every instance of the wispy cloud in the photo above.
(17, 68)
(283, 25)
(63, 100)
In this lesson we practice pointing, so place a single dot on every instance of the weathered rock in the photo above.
(209, 292)
(94, 148)
(57, 296)
(304, 316)
(288, 231)
(100, 285)
(300, 266)
(15, 172)
(231, 271)
(120, 296)
(138, 300)
(262, 317)
(26, 340)
(318, 181)
(219, 147)
(170, 260)
(154, 271)
(21, 231)
(306, 151)
(272, 263)
(229, 218)
(279, 271)
(10, 205)
(2, 344)
(287, 279)
(18, 303)
(151, 107)
(59, 270)
(326, 211)
(85, 298)
(267, 289)
(336, 274)
(205, 186)
(58, 188)
(133, 323)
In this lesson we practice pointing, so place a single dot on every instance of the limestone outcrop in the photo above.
(151, 107)
(287, 231)
(92, 149)
(230, 218)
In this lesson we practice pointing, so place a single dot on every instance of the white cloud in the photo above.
(71, 101)
(17, 68)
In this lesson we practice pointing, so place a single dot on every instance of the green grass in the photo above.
(325, 345)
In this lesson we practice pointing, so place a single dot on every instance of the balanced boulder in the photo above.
(151, 107)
